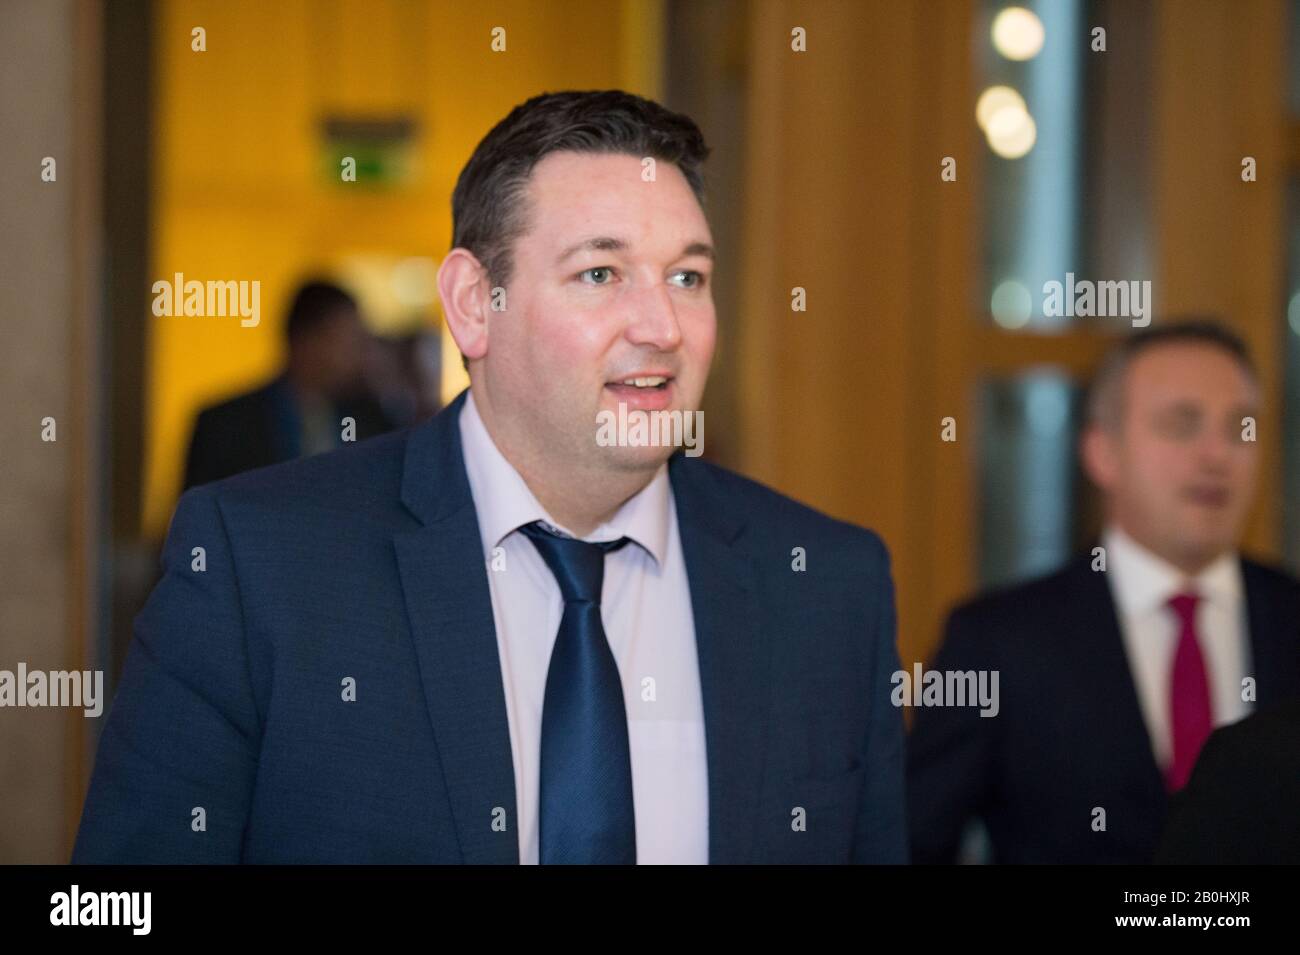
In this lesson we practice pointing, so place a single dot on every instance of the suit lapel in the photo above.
(1274, 636)
(733, 656)
(445, 587)
(1120, 722)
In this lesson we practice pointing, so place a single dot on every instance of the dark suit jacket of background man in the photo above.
(259, 428)
(1070, 734)
(1242, 804)
(367, 563)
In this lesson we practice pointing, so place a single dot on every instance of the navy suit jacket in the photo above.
(366, 563)
(1069, 736)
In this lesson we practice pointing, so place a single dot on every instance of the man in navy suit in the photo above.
(1115, 669)
(503, 636)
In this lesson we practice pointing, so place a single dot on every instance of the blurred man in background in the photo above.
(301, 411)
(406, 375)
(1115, 669)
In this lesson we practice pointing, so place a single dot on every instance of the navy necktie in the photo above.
(586, 767)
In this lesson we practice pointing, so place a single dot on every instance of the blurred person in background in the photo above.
(1112, 675)
(301, 411)
(405, 373)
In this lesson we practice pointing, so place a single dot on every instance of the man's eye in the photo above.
(1180, 428)
(689, 278)
(600, 275)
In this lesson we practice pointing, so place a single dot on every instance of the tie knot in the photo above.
(1184, 605)
(578, 566)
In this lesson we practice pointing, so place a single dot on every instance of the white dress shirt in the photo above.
(646, 610)
(1141, 584)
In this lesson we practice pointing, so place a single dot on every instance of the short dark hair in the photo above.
(1105, 393)
(315, 303)
(487, 211)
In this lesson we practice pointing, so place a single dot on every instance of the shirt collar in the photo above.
(1144, 581)
(505, 503)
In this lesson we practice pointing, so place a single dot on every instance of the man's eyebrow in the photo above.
(598, 243)
(1183, 408)
(609, 243)
(698, 248)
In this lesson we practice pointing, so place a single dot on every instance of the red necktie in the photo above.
(1189, 694)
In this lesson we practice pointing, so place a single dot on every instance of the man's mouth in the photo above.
(645, 391)
(641, 382)
(1208, 496)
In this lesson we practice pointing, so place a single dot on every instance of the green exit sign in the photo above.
(371, 152)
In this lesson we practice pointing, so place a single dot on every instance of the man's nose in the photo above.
(653, 319)
(1217, 445)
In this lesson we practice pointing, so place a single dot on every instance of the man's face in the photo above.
(1178, 473)
(339, 350)
(611, 281)
(334, 353)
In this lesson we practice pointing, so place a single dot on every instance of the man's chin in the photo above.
(1205, 545)
(636, 439)
(635, 459)
(1213, 528)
